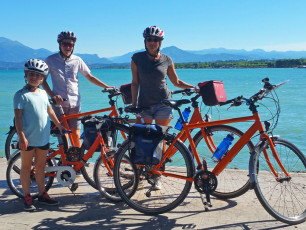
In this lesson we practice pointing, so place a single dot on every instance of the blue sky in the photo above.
(113, 28)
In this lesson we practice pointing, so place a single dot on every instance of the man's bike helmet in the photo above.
(36, 65)
(66, 35)
(153, 31)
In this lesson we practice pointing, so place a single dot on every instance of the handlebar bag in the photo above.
(212, 92)
(126, 93)
(147, 144)
(93, 124)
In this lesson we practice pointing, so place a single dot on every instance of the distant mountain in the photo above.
(13, 54)
(13, 51)
(255, 54)
(126, 58)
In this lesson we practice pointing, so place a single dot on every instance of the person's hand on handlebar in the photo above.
(58, 99)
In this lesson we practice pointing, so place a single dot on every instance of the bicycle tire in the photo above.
(284, 200)
(234, 180)
(89, 169)
(12, 138)
(172, 191)
(13, 177)
(105, 180)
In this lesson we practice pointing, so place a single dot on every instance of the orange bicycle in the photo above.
(12, 139)
(277, 168)
(71, 162)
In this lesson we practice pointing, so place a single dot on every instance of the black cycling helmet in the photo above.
(153, 31)
(66, 35)
(36, 65)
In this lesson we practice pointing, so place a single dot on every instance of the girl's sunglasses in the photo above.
(152, 40)
(67, 44)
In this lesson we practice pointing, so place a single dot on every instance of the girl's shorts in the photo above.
(158, 111)
(45, 147)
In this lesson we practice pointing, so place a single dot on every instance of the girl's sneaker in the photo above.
(28, 203)
(46, 199)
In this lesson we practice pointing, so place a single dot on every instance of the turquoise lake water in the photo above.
(246, 82)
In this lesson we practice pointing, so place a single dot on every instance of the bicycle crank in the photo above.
(205, 182)
(65, 175)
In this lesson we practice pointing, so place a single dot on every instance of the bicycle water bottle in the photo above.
(185, 114)
(223, 147)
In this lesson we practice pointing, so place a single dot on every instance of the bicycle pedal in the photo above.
(74, 187)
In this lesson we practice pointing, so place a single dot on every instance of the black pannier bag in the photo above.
(147, 144)
(91, 126)
(126, 93)
(212, 92)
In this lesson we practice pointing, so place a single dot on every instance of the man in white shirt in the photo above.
(64, 68)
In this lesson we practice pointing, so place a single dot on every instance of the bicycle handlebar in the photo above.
(112, 91)
(187, 91)
(267, 89)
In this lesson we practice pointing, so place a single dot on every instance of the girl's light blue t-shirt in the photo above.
(35, 118)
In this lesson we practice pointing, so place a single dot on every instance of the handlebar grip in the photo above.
(178, 91)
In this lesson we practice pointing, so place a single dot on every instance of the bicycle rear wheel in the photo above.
(284, 199)
(12, 140)
(13, 177)
(234, 180)
(141, 196)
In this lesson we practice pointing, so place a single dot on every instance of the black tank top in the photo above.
(152, 78)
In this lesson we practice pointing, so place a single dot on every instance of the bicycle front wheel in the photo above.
(234, 180)
(144, 195)
(88, 170)
(13, 177)
(284, 198)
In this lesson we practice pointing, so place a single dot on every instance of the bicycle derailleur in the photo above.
(205, 183)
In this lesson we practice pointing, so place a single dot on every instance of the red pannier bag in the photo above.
(126, 93)
(212, 92)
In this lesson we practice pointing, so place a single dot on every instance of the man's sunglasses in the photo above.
(67, 44)
(152, 40)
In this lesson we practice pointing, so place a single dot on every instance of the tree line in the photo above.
(281, 63)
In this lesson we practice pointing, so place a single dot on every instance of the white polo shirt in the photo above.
(65, 79)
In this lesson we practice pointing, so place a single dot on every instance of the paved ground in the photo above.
(87, 210)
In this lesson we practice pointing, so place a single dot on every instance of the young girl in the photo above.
(31, 108)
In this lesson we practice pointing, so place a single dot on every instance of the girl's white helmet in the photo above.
(36, 65)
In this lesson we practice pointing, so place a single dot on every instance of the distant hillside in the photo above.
(13, 54)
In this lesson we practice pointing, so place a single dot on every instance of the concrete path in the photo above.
(87, 210)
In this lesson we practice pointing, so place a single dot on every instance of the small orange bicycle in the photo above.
(71, 162)
(277, 168)
(12, 138)
(11, 147)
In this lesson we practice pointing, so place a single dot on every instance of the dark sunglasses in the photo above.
(67, 44)
(152, 40)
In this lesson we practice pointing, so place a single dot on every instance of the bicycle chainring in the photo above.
(205, 182)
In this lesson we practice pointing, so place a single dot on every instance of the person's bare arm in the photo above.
(175, 80)
(23, 142)
(135, 83)
(97, 82)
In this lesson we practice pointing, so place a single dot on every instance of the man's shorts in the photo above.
(158, 111)
(72, 123)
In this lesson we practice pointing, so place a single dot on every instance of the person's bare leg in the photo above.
(76, 134)
(26, 164)
(40, 164)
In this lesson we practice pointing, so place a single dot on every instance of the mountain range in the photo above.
(13, 54)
